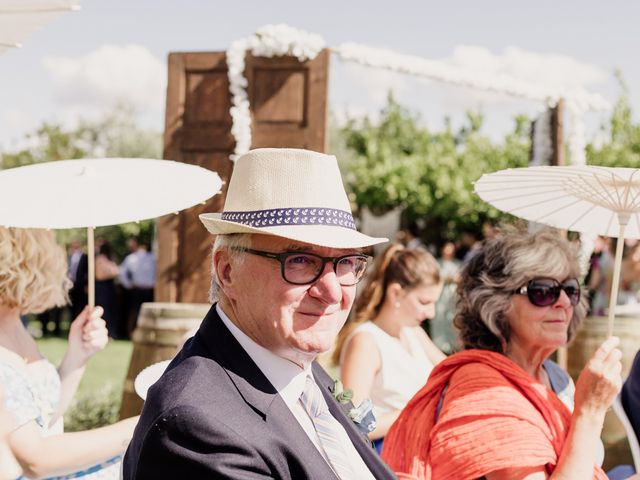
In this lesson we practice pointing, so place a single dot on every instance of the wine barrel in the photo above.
(590, 336)
(161, 330)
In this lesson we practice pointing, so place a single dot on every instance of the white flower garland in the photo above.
(577, 99)
(279, 40)
(441, 71)
(576, 142)
(268, 41)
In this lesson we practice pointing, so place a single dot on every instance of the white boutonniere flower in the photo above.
(362, 415)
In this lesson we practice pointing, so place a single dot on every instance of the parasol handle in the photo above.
(613, 300)
(91, 257)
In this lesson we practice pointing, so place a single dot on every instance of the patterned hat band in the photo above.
(292, 216)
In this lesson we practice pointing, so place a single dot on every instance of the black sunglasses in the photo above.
(543, 292)
(299, 268)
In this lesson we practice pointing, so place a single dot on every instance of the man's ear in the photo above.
(223, 268)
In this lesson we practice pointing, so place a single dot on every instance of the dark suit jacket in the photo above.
(214, 415)
(630, 395)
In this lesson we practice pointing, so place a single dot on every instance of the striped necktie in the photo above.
(327, 428)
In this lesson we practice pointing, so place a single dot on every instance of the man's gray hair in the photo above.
(230, 242)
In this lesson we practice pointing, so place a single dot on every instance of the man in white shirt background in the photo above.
(138, 279)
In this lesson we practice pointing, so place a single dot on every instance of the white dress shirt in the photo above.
(289, 380)
(138, 270)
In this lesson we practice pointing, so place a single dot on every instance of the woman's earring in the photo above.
(397, 305)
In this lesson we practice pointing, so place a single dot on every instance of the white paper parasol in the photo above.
(97, 192)
(148, 376)
(20, 18)
(600, 200)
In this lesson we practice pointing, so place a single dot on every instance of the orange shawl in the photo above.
(494, 416)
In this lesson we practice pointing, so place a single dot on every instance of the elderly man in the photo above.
(244, 399)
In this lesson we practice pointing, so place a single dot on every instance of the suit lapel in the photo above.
(259, 393)
(222, 347)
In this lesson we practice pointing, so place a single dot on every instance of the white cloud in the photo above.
(552, 70)
(342, 114)
(17, 119)
(377, 82)
(434, 99)
(14, 123)
(109, 75)
(548, 69)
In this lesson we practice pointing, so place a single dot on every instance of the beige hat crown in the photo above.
(291, 193)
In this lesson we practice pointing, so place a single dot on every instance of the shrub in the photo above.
(93, 410)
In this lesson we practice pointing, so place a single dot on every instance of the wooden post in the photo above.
(557, 134)
(558, 159)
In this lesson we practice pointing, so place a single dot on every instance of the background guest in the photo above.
(138, 276)
(33, 277)
(501, 409)
(9, 467)
(106, 271)
(442, 331)
(385, 354)
(79, 294)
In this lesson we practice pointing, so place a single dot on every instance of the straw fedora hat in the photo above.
(290, 193)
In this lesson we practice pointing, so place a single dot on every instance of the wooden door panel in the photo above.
(201, 87)
(279, 96)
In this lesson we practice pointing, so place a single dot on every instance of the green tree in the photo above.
(398, 162)
(50, 142)
(623, 146)
(114, 135)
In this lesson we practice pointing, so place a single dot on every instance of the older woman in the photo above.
(500, 409)
(32, 279)
(385, 355)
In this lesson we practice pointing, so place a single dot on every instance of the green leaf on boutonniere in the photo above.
(340, 394)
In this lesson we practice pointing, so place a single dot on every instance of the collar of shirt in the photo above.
(287, 377)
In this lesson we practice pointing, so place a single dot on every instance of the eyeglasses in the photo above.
(543, 292)
(305, 268)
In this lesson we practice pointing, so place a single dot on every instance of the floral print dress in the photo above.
(32, 393)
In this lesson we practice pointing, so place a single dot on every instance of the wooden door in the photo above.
(288, 109)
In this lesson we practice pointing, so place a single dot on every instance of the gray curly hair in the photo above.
(501, 266)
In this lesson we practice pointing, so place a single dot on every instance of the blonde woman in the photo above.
(385, 355)
(9, 468)
(36, 394)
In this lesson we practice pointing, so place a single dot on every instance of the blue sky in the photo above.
(83, 62)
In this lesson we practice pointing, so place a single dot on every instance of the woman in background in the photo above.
(442, 332)
(106, 271)
(385, 354)
(33, 278)
(500, 409)
(9, 468)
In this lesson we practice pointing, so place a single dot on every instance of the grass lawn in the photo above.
(106, 368)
